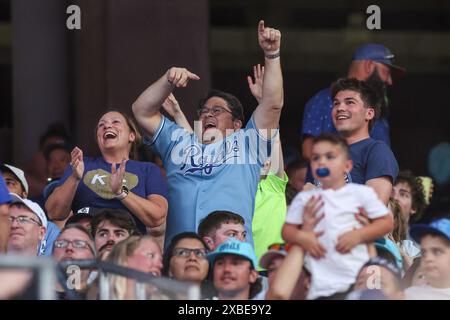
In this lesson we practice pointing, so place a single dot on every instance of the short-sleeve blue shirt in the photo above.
(141, 178)
(371, 159)
(317, 118)
(203, 178)
(4, 192)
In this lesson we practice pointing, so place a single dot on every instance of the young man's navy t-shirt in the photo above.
(371, 159)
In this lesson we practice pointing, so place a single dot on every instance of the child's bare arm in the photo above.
(375, 229)
(307, 239)
(304, 235)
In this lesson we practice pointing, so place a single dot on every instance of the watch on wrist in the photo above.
(123, 194)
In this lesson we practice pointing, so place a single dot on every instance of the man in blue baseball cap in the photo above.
(234, 270)
(377, 53)
(434, 240)
(371, 62)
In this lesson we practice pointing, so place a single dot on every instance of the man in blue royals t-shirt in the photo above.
(219, 168)
(355, 107)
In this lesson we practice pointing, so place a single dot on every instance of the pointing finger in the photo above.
(261, 26)
(193, 76)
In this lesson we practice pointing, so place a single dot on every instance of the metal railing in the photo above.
(43, 267)
(105, 269)
(48, 273)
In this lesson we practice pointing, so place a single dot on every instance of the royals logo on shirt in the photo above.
(242, 148)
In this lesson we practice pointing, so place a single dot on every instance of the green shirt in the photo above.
(270, 212)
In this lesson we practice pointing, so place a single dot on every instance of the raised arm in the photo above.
(277, 162)
(173, 108)
(267, 114)
(58, 205)
(146, 107)
(382, 187)
(255, 85)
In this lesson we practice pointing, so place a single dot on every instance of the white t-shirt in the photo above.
(427, 293)
(336, 272)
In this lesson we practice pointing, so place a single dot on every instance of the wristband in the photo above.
(272, 56)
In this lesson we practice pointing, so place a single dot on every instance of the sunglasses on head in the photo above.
(280, 247)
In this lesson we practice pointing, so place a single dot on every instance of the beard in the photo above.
(375, 81)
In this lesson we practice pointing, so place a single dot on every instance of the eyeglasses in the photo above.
(24, 220)
(186, 252)
(77, 244)
(280, 247)
(215, 110)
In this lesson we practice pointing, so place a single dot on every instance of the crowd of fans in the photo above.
(228, 213)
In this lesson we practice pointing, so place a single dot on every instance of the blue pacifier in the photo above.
(322, 172)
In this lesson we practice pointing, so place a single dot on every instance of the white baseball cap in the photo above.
(17, 172)
(33, 206)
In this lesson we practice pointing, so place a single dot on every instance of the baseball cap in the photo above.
(378, 261)
(438, 226)
(391, 247)
(17, 172)
(236, 247)
(378, 53)
(86, 212)
(275, 250)
(33, 206)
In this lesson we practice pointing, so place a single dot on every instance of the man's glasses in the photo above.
(186, 252)
(77, 244)
(215, 110)
(280, 247)
(24, 220)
